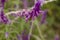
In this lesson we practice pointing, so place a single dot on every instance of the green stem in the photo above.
(40, 33)
(30, 32)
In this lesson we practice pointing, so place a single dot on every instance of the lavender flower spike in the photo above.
(56, 37)
(18, 37)
(6, 34)
(41, 1)
(2, 2)
(3, 18)
(25, 3)
(24, 35)
(43, 17)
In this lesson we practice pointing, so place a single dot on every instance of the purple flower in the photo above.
(1, 13)
(24, 35)
(37, 6)
(18, 36)
(5, 20)
(41, 1)
(3, 17)
(43, 17)
(2, 2)
(25, 3)
(6, 34)
(57, 37)
(34, 12)
(27, 17)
